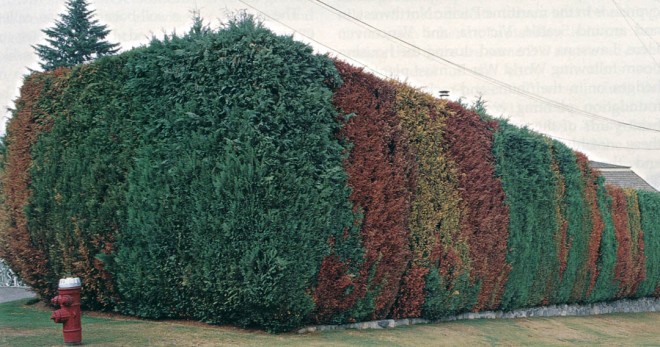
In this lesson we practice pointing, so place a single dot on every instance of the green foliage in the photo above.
(649, 206)
(523, 162)
(606, 285)
(203, 177)
(76, 38)
(79, 176)
(479, 107)
(638, 266)
(573, 283)
(16, 248)
(202, 169)
(238, 185)
(444, 299)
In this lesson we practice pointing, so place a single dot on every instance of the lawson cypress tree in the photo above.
(76, 38)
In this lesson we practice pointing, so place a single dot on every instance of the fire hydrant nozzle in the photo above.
(60, 316)
(69, 313)
(62, 300)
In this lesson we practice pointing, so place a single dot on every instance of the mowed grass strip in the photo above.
(29, 325)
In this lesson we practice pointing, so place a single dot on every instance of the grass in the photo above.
(29, 325)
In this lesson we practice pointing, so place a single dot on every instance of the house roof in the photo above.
(621, 176)
(601, 165)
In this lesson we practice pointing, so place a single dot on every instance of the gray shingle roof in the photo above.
(621, 176)
(601, 165)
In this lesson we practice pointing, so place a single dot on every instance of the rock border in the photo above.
(619, 306)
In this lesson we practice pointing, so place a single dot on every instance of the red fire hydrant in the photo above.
(69, 313)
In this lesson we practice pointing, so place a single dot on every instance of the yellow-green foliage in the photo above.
(435, 222)
(436, 210)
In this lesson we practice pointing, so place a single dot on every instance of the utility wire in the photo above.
(382, 75)
(602, 145)
(625, 17)
(313, 40)
(643, 30)
(588, 143)
(511, 88)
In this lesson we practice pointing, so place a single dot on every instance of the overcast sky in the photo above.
(602, 57)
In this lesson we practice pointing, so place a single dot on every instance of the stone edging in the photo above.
(619, 306)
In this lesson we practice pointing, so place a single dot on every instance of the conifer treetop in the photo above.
(76, 38)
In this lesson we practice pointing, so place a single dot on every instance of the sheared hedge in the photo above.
(605, 286)
(239, 187)
(572, 280)
(524, 161)
(233, 176)
(77, 177)
(649, 208)
(440, 248)
(24, 251)
(380, 168)
(469, 141)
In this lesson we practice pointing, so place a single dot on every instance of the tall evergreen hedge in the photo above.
(24, 252)
(381, 172)
(523, 160)
(239, 186)
(79, 177)
(469, 140)
(572, 282)
(649, 207)
(233, 176)
(605, 286)
(440, 249)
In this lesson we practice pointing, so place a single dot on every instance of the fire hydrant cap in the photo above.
(69, 282)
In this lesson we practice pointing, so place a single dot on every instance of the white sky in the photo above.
(585, 54)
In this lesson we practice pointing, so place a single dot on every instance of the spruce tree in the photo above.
(76, 38)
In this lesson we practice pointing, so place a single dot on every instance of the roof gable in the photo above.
(621, 176)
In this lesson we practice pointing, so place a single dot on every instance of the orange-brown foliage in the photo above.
(23, 254)
(380, 170)
(589, 177)
(469, 142)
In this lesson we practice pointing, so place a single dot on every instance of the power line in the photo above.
(641, 28)
(644, 30)
(313, 40)
(589, 143)
(511, 88)
(382, 75)
(625, 17)
(602, 145)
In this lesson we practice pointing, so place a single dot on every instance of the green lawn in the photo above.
(23, 325)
